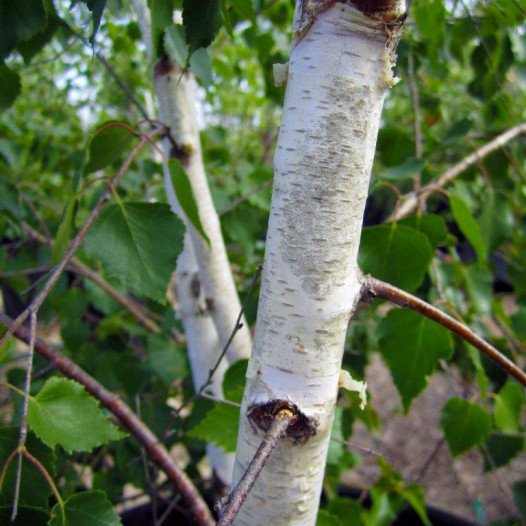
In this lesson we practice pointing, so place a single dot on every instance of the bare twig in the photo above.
(167, 511)
(206, 396)
(25, 408)
(128, 419)
(25, 271)
(136, 309)
(352, 445)
(240, 493)
(377, 288)
(75, 242)
(109, 68)
(150, 481)
(410, 201)
(429, 460)
(244, 197)
(415, 99)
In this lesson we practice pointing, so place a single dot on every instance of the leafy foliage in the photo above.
(63, 413)
(219, 426)
(34, 490)
(202, 21)
(465, 425)
(89, 508)
(138, 244)
(395, 253)
(412, 345)
(185, 196)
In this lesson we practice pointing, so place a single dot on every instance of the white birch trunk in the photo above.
(177, 96)
(340, 69)
(201, 335)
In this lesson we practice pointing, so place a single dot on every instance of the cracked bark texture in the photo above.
(339, 71)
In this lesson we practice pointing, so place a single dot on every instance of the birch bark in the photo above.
(339, 71)
(176, 110)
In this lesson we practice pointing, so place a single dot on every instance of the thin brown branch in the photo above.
(156, 451)
(77, 240)
(240, 493)
(376, 288)
(137, 310)
(410, 202)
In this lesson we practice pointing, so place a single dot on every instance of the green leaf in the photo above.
(501, 449)
(244, 8)
(479, 282)
(65, 230)
(185, 196)
(496, 220)
(465, 424)
(162, 17)
(412, 345)
(34, 490)
(395, 253)
(64, 413)
(175, 44)
(469, 227)
(234, 381)
(508, 407)
(19, 21)
(326, 518)
(138, 244)
(519, 497)
(106, 145)
(29, 48)
(414, 495)
(11, 87)
(97, 8)
(219, 426)
(202, 21)
(88, 508)
(408, 168)
(201, 67)
(9, 199)
(432, 225)
(166, 360)
(348, 510)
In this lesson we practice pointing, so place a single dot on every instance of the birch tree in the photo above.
(339, 71)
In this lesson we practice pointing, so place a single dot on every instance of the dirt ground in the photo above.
(415, 446)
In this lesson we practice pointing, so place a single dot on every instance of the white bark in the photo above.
(176, 94)
(201, 335)
(339, 72)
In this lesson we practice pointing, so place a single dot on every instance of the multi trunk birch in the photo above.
(208, 304)
(339, 72)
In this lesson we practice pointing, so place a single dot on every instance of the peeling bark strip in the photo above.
(339, 72)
